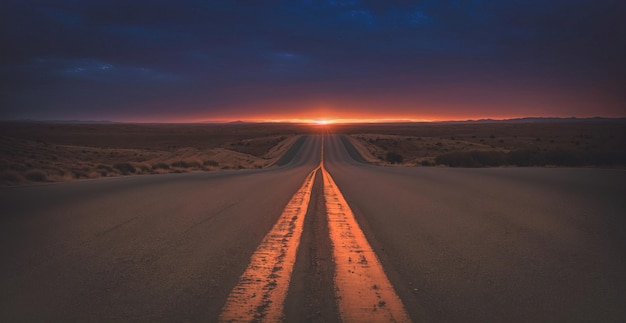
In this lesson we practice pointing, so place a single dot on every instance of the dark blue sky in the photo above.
(205, 60)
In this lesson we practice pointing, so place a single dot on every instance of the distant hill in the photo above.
(544, 120)
(406, 123)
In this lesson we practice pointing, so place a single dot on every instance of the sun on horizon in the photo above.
(321, 122)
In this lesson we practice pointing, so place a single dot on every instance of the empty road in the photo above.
(426, 244)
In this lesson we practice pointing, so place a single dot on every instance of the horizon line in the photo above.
(318, 121)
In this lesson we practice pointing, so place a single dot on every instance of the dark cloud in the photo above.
(152, 60)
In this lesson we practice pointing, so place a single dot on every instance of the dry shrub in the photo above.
(160, 166)
(394, 158)
(10, 177)
(180, 164)
(184, 164)
(472, 158)
(36, 175)
(78, 174)
(528, 157)
(125, 168)
(104, 168)
(144, 168)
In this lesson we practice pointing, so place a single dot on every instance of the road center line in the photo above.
(260, 293)
(364, 293)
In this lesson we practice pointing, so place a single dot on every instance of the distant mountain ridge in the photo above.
(407, 122)
(545, 120)
(541, 120)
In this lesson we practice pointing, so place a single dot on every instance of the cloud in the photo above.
(419, 18)
(64, 17)
(362, 16)
(343, 3)
(221, 52)
(286, 63)
(93, 70)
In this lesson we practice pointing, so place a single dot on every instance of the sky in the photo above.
(194, 61)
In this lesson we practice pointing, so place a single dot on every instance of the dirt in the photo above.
(420, 145)
(51, 152)
(66, 152)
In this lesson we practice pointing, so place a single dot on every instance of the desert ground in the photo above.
(49, 152)
(56, 152)
(492, 144)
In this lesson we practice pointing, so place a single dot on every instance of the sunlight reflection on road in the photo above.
(364, 293)
(362, 290)
(262, 288)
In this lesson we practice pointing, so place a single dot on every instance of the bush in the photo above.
(10, 177)
(524, 158)
(36, 176)
(210, 163)
(527, 157)
(184, 164)
(552, 157)
(160, 166)
(394, 158)
(180, 164)
(104, 168)
(125, 168)
(78, 174)
(562, 158)
(472, 159)
(606, 158)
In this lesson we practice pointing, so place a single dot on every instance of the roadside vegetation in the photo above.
(491, 145)
(527, 158)
(40, 152)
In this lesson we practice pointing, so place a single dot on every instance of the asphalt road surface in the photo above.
(494, 244)
(458, 245)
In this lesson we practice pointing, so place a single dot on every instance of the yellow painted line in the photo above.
(260, 293)
(363, 291)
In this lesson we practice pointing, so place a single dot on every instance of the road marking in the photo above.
(363, 291)
(260, 293)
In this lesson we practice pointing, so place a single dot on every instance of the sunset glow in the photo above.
(349, 119)
(404, 61)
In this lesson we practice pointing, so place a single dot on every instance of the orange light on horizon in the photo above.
(343, 117)
(345, 110)
(329, 121)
